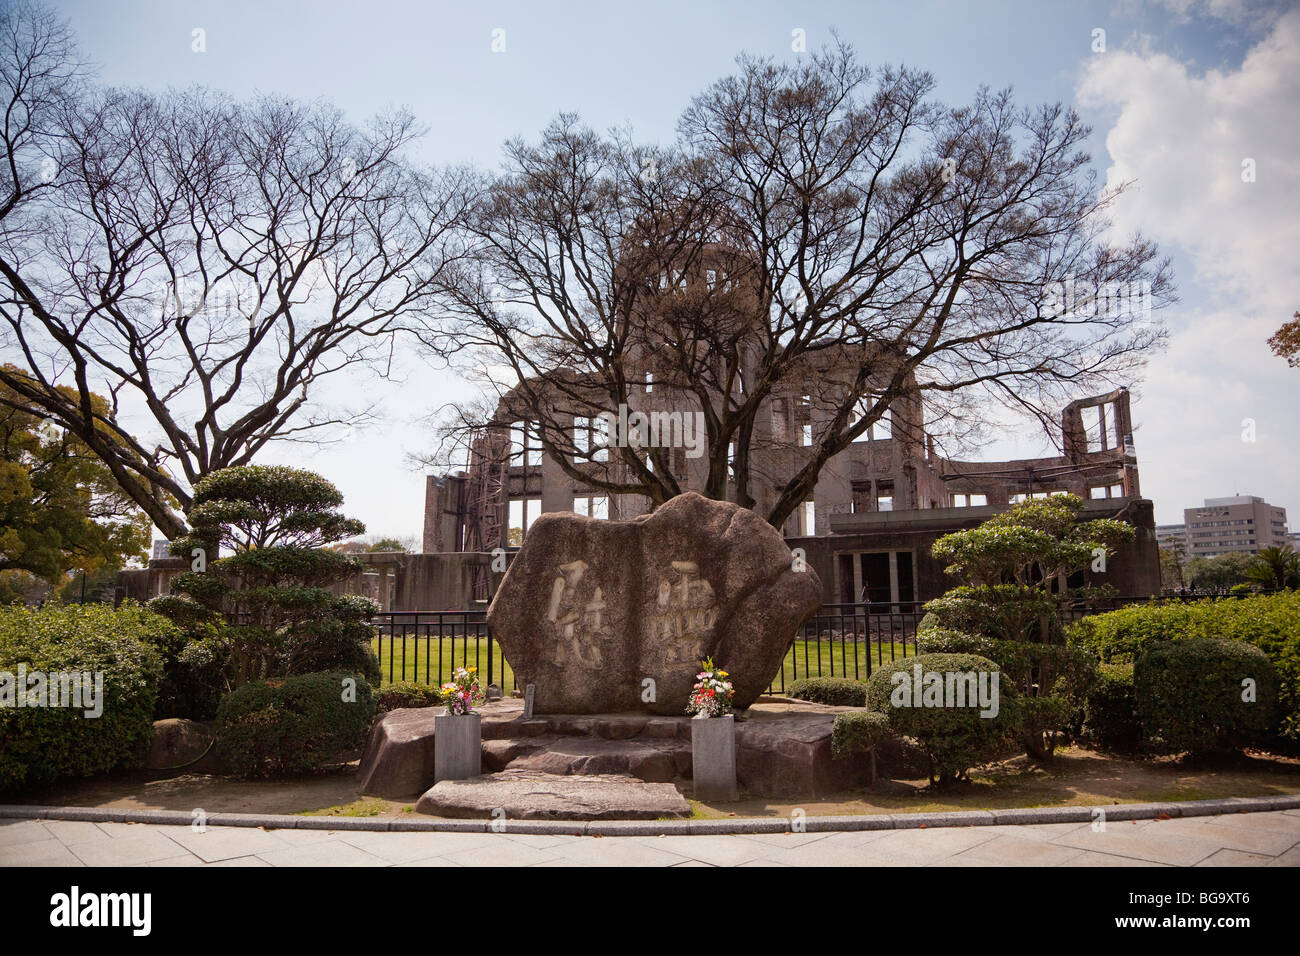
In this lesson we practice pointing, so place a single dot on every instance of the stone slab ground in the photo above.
(1231, 839)
(532, 795)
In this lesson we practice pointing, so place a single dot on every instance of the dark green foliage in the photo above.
(293, 725)
(946, 640)
(1270, 622)
(837, 691)
(407, 694)
(1110, 708)
(1190, 696)
(192, 681)
(1008, 613)
(1004, 611)
(954, 738)
(39, 746)
(858, 732)
(268, 609)
(255, 506)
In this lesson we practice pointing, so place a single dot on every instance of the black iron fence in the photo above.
(850, 640)
(427, 646)
(840, 640)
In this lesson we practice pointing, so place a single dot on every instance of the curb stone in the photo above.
(881, 821)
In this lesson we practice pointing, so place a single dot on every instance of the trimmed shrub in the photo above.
(1189, 695)
(192, 681)
(293, 725)
(955, 738)
(858, 732)
(1051, 680)
(1110, 709)
(1004, 611)
(837, 691)
(1270, 622)
(41, 745)
(946, 640)
(269, 605)
(407, 694)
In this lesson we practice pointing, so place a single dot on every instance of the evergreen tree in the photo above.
(269, 607)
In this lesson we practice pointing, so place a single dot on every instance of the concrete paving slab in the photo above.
(13, 832)
(144, 846)
(418, 846)
(1016, 851)
(213, 844)
(47, 852)
(330, 853)
(1235, 858)
(1144, 843)
(507, 852)
(713, 850)
(611, 851)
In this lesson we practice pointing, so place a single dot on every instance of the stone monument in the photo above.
(615, 616)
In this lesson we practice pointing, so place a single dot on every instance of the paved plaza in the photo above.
(1235, 839)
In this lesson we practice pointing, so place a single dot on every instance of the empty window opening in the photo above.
(523, 512)
(592, 507)
(1101, 427)
(525, 446)
(808, 519)
(861, 491)
(590, 441)
(885, 495)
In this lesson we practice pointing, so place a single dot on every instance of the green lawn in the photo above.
(432, 660)
(419, 660)
(831, 659)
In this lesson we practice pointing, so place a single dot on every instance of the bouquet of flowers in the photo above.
(461, 693)
(712, 694)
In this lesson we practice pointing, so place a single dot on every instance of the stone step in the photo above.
(532, 795)
(654, 760)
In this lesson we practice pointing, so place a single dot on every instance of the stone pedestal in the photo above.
(457, 747)
(713, 757)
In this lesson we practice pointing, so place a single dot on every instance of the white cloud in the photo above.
(1181, 138)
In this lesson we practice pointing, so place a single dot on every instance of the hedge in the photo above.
(837, 691)
(1110, 710)
(1270, 622)
(954, 738)
(407, 694)
(858, 732)
(42, 745)
(294, 724)
(1190, 695)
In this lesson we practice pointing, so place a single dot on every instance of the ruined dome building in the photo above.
(877, 506)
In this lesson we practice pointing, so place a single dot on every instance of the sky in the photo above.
(1180, 93)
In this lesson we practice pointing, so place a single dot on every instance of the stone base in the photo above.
(458, 754)
(529, 795)
(783, 749)
(713, 758)
(398, 759)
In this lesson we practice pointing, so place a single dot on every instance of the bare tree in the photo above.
(203, 262)
(824, 239)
